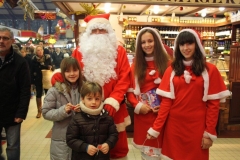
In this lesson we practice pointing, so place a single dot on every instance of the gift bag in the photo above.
(46, 78)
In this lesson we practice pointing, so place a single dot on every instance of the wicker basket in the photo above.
(46, 78)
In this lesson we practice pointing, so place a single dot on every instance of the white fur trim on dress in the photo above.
(197, 40)
(171, 85)
(206, 84)
(187, 76)
(164, 93)
(122, 126)
(220, 95)
(211, 136)
(130, 90)
(153, 132)
(157, 80)
(137, 88)
(113, 102)
(152, 72)
(138, 107)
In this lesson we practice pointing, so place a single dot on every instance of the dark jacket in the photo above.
(85, 129)
(57, 59)
(14, 88)
(36, 69)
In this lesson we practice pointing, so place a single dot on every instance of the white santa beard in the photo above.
(99, 54)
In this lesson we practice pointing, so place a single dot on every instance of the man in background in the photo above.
(15, 92)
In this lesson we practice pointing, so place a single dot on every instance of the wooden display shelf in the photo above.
(170, 24)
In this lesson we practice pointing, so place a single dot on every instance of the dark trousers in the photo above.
(1, 150)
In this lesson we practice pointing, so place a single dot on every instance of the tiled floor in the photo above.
(34, 145)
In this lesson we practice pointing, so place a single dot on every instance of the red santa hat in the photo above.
(198, 40)
(56, 77)
(94, 21)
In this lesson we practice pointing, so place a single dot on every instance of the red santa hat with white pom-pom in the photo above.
(97, 21)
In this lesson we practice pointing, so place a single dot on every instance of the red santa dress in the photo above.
(114, 92)
(188, 111)
(142, 122)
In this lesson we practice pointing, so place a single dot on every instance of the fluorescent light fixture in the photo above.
(221, 8)
(107, 7)
(156, 9)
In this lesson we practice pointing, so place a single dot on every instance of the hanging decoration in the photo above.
(52, 39)
(89, 9)
(1, 3)
(196, 14)
(214, 15)
(125, 22)
(12, 3)
(28, 7)
(65, 18)
(181, 8)
(45, 15)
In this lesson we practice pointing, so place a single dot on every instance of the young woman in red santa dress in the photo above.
(191, 90)
(149, 65)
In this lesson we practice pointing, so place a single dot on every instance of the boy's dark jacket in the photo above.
(85, 129)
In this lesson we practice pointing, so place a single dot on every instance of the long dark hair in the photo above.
(159, 54)
(66, 64)
(198, 65)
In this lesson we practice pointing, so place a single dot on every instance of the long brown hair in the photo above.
(66, 64)
(199, 63)
(159, 54)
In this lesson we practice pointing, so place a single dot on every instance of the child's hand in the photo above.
(76, 108)
(91, 150)
(68, 108)
(104, 148)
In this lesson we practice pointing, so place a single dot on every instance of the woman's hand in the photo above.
(156, 109)
(206, 143)
(145, 109)
(150, 136)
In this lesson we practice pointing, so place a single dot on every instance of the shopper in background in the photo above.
(60, 104)
(191, 90)
(14, 92)
(57, 57)
(92, 132)
(39, 62)
(106, 63)
(45, 50)
(150, 63)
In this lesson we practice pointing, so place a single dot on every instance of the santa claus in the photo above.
(105, 62)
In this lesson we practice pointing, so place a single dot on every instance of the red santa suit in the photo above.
(114, 91)
(144, 121)
(189, 112)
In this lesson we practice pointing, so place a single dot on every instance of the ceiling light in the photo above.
(107, 7)
(203, 14)
(221, 8)
(155, 9)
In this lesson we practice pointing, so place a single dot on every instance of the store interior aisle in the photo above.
(35, 145)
